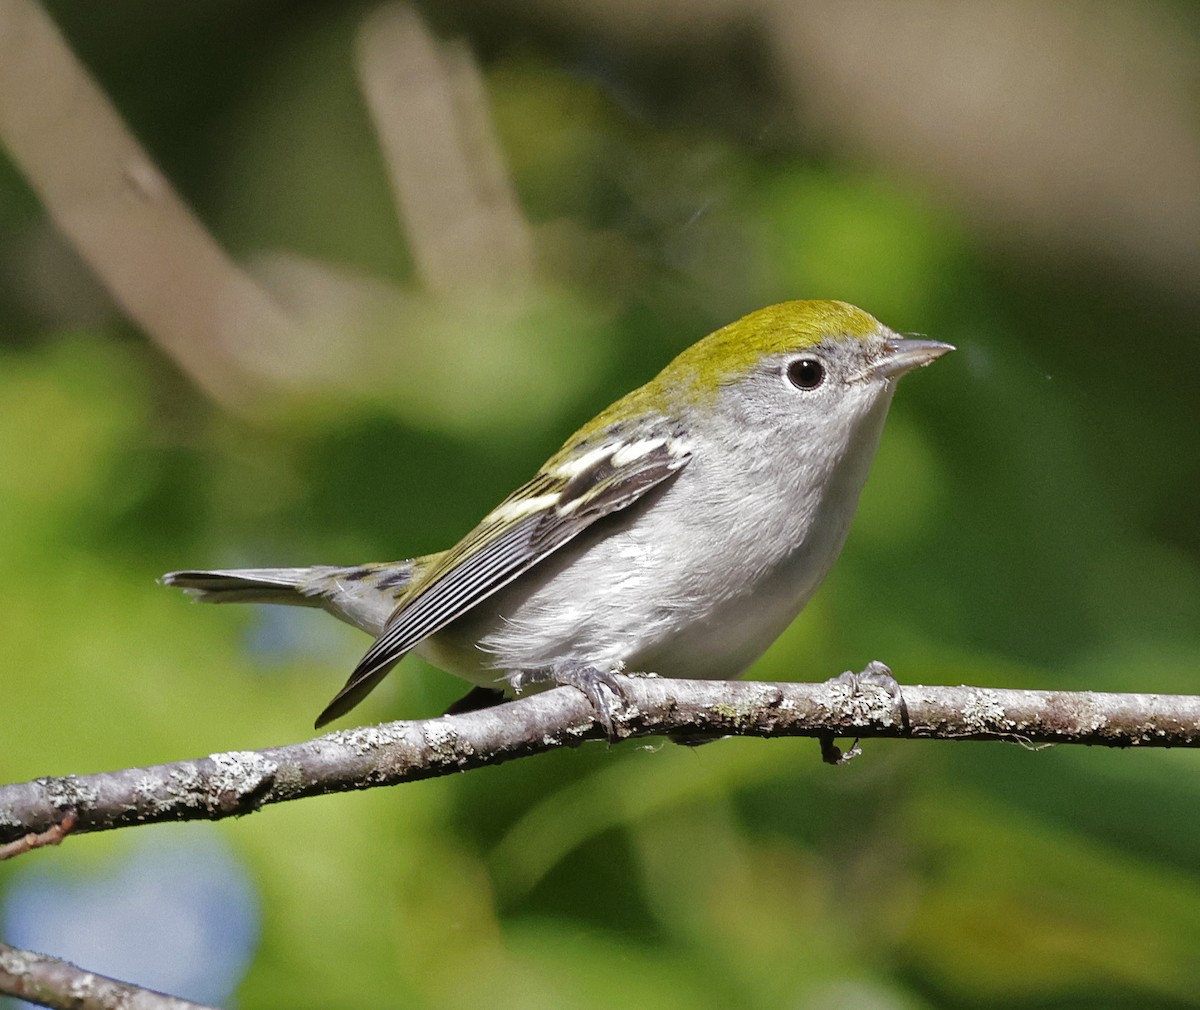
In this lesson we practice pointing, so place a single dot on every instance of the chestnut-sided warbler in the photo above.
(678, 532)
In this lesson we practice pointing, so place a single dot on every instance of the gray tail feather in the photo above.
(362, 595)
(249, 585)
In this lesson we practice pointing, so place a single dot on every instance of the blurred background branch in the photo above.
(121, 214)
(448, 177)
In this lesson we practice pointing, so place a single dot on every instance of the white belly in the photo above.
(699, 593)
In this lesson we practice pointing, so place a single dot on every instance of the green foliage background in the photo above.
(1030, 522)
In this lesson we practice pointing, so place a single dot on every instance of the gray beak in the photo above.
(903, 355)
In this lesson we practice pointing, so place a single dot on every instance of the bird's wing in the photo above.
(565, 498)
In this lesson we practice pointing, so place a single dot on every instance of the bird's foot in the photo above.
(875, 676)
(600, 687)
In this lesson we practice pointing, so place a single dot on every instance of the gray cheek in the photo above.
(767, 400)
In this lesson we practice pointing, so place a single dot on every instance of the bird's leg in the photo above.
(475, 699)
(877, 676)
(600, 687)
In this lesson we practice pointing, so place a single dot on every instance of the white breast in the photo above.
(694, 581)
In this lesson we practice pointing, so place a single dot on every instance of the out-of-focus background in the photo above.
(284, 283)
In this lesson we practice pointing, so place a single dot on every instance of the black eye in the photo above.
(806, 373)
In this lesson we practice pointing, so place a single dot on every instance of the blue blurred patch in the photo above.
(279, 636)
(176, 912)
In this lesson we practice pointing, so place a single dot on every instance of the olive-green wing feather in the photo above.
(565, 498)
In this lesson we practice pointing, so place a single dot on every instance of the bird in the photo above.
(678, 533)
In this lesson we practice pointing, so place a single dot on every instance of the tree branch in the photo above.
(50, 982)
(240, 782)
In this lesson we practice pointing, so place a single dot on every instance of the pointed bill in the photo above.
(903, 354)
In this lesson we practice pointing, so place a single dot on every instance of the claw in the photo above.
(875, 675)
(832, 754)
(600, 687)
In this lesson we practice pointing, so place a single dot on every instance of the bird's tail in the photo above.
(362, 595)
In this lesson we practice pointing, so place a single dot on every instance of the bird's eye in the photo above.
(805, 373)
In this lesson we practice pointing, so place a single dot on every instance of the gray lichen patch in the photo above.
(240, 772)
(983, 712)
(1090, 715)
(865, 706)
(18, 963)
(368, 739)
(443, 740)
(69, 792)
(186, 783)
(148, 791)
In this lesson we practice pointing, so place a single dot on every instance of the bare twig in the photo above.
(50, 982)
(37, 840)
(240, 782)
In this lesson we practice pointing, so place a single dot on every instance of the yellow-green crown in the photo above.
(789, 326)
(732, 351)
